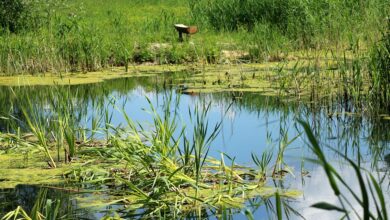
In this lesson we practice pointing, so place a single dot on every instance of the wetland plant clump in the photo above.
(303, 22)
(161, 170)
(380, 70)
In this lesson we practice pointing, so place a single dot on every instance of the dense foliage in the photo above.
(11, 14)
(380, 69)
(297, 19)
(86, 35)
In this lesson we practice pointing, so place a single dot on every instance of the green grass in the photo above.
(87, 35)
(380, 69)
(315, 44)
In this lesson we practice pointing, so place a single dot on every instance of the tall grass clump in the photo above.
(304, 23)
(43, 208)
(71, 36)
(79, 46)
(380, 70)
(165, 169)
(288, 16)
(22, 16)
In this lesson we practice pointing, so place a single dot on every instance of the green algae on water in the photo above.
(18, 169)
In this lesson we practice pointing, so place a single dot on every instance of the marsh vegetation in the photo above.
(106, 115)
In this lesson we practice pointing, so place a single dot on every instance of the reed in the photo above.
(44, 208)
(38, 126)
(63, 36)
(165, 171)
(379, 72)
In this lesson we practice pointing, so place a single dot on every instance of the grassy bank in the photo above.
(66, 36)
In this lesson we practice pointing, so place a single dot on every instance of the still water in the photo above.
(251, 124)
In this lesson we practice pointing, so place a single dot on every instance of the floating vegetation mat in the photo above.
(27, 168)
(306, 78)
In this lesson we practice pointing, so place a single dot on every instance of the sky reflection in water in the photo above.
(251, 126)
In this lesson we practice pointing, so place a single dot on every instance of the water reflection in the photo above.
(387, 159)
(31, 197)
(251, 124)
(317, 189)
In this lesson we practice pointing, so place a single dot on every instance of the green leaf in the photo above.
(278, 206)
(327, 206)
(321, 156)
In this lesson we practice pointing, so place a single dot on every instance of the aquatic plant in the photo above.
(54, 122)
(44, 208)
(38, 127)
(164, 172)
(380, 70)
(371, 190)
(280, 166)
(262, 164)
(162, 169)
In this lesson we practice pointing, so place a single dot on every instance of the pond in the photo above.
(250, 124)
